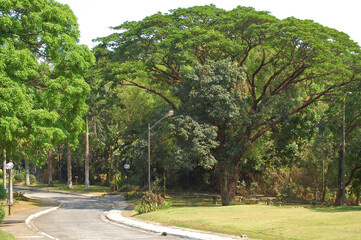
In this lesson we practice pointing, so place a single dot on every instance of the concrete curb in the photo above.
(117, 216)
(38, 214)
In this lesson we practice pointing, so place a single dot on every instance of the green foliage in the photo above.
(19, 196)
(19, 177)
(2, 214)
(156, 202)
(42, 89)
(250, 93)
(133, 195)
(3, 195)
(1, 173)
(32, 179)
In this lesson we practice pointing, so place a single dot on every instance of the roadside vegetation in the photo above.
(260, 106)
(265, 222)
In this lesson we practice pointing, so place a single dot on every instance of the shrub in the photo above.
(156, 202)
(1, 173)
(2, 214)
(132, 195)
(20, 177)
(32, 178)
(19, 196)
(2, 192)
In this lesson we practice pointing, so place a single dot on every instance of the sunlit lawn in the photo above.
(266, 222)
(20, 206)
(76, 188)
(6, 236)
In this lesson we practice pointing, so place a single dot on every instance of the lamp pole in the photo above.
(170, 113)
(10, 166)
(344, 149)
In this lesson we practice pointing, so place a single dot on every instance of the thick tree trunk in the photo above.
(224, 190)
(87, 184)
(4, 168)
(27, 177)
(232, 185)
(50, 168)
(68, 167)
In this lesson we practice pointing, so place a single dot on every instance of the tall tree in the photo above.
(288, 65)
(43, 65)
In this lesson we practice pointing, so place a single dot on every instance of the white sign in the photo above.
(9, 165)
(126, 166)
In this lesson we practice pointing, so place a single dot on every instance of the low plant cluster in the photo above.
(156, 202)
(20, 177)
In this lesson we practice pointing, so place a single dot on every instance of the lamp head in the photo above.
(170, 113)
(9, 165)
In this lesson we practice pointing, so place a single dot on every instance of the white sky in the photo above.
(96, 16)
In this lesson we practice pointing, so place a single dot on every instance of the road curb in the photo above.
(117, 217)
(38, 214)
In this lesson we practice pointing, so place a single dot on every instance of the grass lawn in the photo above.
(266, 222)
(96, 189)
(20, 206)
(6, 236)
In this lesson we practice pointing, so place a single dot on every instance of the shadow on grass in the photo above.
(336, 209)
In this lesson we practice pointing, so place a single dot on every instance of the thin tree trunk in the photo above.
(50, 168)
(87, 184)
(4, 168)
(68, 167)
(27, 177)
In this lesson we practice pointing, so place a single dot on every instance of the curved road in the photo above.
(80, 217)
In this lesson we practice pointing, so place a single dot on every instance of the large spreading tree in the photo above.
(252, 72)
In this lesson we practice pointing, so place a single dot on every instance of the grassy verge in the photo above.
(20, 206)
(6, 236)
(76, 188)
(266, 222)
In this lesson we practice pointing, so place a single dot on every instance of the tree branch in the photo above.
(153, 91)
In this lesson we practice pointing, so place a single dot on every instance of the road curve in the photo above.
(79, 217)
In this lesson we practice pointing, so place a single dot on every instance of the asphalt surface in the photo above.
(79, 217)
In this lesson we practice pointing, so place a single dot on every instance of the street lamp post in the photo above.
(343, 150)
(10, 166)
(170, 113)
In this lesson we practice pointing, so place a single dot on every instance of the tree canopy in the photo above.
(287, 65)
(42, 86)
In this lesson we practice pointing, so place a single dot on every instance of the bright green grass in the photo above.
(266, 222)
(6, 236)
(76, 188)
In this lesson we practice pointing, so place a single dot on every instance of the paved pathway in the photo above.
(79, 217)
(86, 217)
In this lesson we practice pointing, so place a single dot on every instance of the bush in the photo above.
(19, 196)
(2, 192)
(132, 195)
(32, 179)
(156, 202)
(1, 173)
(20, 177)
(2, 214)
